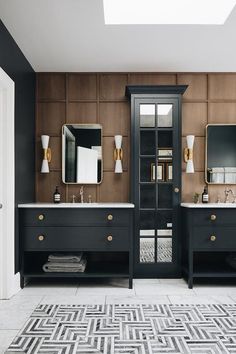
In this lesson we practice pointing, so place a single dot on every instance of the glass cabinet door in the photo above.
(158, 172)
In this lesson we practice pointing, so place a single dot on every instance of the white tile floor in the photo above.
(14, 312)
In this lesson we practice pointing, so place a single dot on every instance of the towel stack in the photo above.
(67, 263)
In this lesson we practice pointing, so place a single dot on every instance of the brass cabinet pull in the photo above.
(110, 217)
(40, 237)
(41, 217)
(213, 217)
(176, 190)
(213, 238)
(109, 238)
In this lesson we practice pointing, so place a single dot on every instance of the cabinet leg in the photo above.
(130, 283)
(190, 283)
(22, 282)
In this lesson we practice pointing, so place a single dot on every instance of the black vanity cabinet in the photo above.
(103, 234)
(208, 239)
(156, 178)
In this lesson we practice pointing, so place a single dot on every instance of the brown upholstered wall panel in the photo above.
(100, 98)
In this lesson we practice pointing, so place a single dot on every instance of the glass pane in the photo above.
(147, 196)
(164, 250)
(165, 196)
(147, 143)
(147, 169)
(164, 223)
(164, 115)
(147, 250)
(147, 223)
(147, 115)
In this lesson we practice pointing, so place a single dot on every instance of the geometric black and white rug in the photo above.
(126, 329)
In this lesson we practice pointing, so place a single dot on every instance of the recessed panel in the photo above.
(147, 250)
(147, 116)
(165, 196)
(164, 250)
(147, 196)
(164, 115)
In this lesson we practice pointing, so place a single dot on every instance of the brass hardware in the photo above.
(109, 238)
(118, 154)
(41, 217)
(40, 237)
(110, 217)
(188, 154)
(176, 190)
(213, 217)
(213, 238)
(47, 154)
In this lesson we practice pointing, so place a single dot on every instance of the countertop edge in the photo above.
(77, 205)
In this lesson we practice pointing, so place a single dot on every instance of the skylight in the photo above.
(167, 12)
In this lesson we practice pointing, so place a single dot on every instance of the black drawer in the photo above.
(75, 217)
(214, 238)
(76, 238)
(214, 217)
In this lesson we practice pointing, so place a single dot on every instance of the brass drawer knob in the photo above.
(110, 217)
(40, 237)
(109, 238)
(41, 217)
(213, 238)
(176, 190)
(213, 217)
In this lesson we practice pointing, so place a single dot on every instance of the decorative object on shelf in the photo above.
(46, 154)
(56, 196)
(205, 196)
(160, 172)
(196, 198)
(188, 154)
(118, 154)
(81, 192)
(169, 171)
(165, 152)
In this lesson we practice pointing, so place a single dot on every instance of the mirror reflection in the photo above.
(221, 154)
(82, 153)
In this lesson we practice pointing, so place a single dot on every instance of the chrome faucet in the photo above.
(227, 193)
(81, 192)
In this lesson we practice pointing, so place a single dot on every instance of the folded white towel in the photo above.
(217, 170)
(65, 258)
(230, 169)
(65, 267)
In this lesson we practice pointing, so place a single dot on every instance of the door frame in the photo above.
(9, 281)
(162, 269)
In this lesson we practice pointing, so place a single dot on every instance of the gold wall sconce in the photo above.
(188, 154)
(46, 154)
(118, 154)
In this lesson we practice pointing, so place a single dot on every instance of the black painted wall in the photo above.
(14, 63)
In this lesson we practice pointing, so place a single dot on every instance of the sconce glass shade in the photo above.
(190, 141)
(118, 163)
(190, 165)
(45, 143)
(45, 166)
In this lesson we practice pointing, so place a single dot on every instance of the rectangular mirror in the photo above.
(220, 167)
(82, 153)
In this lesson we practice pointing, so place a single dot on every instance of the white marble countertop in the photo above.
(209, 205)
(76, 205)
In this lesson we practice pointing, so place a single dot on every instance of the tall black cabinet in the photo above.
(156, 178)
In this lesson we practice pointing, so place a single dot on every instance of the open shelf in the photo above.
(99, 265)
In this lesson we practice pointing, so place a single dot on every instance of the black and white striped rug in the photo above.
(126, 329)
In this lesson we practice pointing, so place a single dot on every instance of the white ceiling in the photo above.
(70, 35)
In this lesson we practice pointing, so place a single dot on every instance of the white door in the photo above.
(9, 282)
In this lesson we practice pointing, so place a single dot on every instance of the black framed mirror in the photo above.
(220, 166)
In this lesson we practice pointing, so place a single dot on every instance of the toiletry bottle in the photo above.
(57, 196)
(205, 196)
